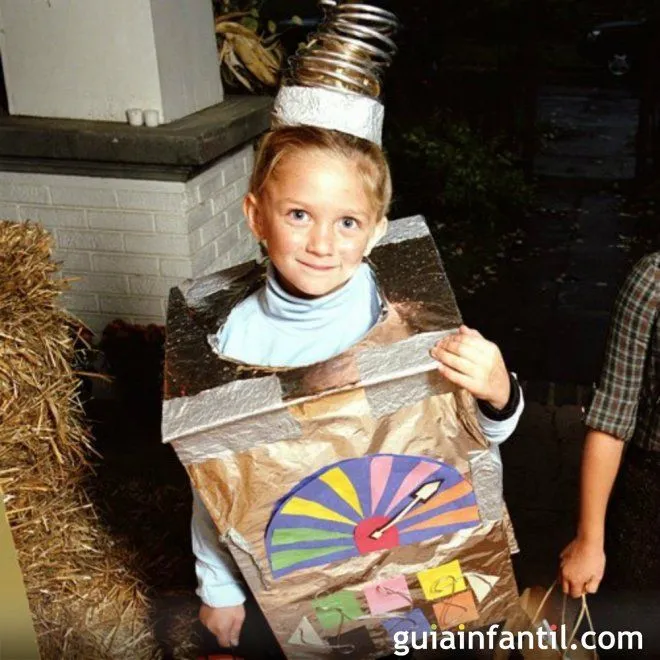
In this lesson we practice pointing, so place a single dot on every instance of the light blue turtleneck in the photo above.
(276, 329)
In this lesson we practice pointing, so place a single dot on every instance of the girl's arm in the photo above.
(222, 610)
(218, 585)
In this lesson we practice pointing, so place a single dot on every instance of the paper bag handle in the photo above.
(584, 611)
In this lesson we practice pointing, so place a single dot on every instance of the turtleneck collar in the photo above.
(312, 313)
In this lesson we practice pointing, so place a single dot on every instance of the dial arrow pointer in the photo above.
(422, 494)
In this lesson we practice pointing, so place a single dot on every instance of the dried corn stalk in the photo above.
(246, 58)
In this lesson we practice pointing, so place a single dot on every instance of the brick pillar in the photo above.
(94, 59)
(127, 242)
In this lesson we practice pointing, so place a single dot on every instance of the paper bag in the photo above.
(358, 495)
(546, 626)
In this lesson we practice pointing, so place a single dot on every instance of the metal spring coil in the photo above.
(350, 50)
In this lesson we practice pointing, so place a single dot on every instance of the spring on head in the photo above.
(350, 50)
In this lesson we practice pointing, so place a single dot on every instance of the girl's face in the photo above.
(317, 221)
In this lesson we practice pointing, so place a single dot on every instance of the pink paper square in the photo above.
(388, 595)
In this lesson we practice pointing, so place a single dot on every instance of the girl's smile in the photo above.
(317, 220)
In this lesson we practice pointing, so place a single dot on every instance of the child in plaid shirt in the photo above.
(625, 411)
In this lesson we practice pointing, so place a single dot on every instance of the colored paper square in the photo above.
(334, 610)
(352, 644)
(442, 581)
(388, 595)
(413, 621)
(457, 609)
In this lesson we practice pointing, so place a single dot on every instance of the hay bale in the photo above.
(85, 601)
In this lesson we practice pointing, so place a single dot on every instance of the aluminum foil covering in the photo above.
(395, 375)
(406, 229)
(186, 416)
(219, 440)
(250, 569)
(272, 430)
(247, 412)
(405, 358)
(487, 483)
(341, 111)
(388, 397)
(235, 281)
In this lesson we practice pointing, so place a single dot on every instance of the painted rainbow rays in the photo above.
(364, 505)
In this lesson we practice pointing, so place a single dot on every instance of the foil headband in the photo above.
(334, 80)
(334, 109)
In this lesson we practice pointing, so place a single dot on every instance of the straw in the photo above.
(85, 601)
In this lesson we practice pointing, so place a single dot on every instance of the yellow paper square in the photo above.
(442, 581)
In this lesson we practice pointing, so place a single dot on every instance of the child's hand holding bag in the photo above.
(550, 611)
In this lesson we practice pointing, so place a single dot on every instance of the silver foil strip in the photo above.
(405, 358)
(386, 398)
(487, 484)
(196, 290)
(406, 229)
(227, 439)
(186, 416)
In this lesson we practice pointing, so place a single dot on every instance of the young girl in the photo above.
(317, 202)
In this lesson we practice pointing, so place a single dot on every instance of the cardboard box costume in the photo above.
(357, 495)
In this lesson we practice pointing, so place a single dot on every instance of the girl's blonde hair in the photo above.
(368, 157)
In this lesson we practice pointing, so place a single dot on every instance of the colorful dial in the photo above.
(364, 505)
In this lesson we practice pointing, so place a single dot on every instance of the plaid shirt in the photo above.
(626, 404)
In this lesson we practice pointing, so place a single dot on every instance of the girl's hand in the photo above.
(224, 622)
(582, 567)
(474, 363)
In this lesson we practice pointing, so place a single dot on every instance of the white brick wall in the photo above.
(125, 242)
(216, 214)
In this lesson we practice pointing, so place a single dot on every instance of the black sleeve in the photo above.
(510, 407)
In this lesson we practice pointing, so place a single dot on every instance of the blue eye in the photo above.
(298, 214)
(349, 223)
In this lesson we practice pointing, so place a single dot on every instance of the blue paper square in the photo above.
(413, 621)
